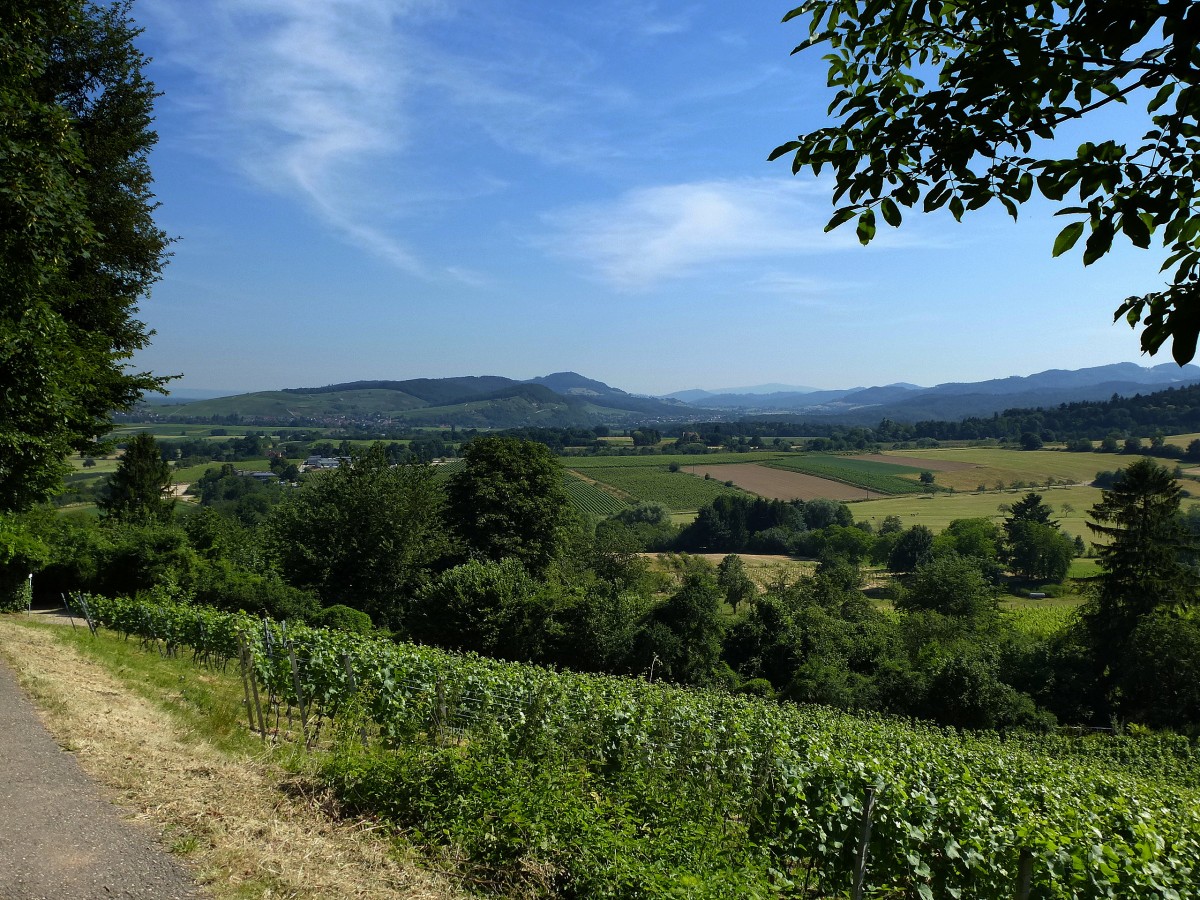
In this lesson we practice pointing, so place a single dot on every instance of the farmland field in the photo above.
(932, 465)
(590, 499)
(175, 430)
(869, 475)
(990, 466)
(661, 460)
(939, 510)
(1042, 620)
(781, 484)
(675, 490)
(763, 568)
(101, 467)
(1181, 440)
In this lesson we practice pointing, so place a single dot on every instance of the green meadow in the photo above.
(936, 511)
(992, 466)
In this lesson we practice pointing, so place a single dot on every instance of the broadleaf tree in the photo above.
(78, 244)
(365, 535)
(508, 500)
(953, 105)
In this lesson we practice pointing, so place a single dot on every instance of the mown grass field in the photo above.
(992, 466)
(939, 510)
(101, 467)
(189, 474)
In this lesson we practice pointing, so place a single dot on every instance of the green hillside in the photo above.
(464, 402)
(292, 405)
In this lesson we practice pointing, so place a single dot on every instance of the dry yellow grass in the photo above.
(245, 828)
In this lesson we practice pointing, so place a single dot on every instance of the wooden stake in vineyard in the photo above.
(864, 839)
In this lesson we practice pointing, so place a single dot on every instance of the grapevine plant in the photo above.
(777, 787)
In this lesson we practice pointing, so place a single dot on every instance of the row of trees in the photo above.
(492, 560)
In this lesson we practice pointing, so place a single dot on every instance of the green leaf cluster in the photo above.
(952, 105)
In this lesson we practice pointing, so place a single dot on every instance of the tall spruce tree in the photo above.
(140, 490)
(1144, 567)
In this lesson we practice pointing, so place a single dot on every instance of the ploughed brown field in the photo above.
(777, 484)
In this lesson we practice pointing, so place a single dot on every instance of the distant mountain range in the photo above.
(567, 399)
(957, 400)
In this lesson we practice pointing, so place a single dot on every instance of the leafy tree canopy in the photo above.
(78, 244)
(365, 535)
(737, 585)
(947, 105)
(976, 538)
(1040, 551)
(911, 549)
(952, 585)
(509, 500)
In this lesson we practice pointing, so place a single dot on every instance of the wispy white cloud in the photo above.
(650, 235)
(649, 20)
(807, 290)
(361, 108)
(305, 98)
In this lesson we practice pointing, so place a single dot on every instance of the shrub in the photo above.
(757, 687)
(345, 618)
(15, 592)
(222, 585)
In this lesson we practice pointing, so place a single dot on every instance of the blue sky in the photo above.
(367, 189)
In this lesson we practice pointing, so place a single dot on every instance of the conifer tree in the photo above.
(79, 248)
(140, 490)
(1144, 565)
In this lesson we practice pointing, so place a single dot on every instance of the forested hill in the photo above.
(1171, 411)
(563, 399)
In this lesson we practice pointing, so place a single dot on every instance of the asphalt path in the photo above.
(60, 837)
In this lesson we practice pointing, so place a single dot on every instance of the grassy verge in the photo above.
(168, 737)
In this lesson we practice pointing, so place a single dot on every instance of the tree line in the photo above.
(493, 559)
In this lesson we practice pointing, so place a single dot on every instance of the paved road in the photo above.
(60, 839)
